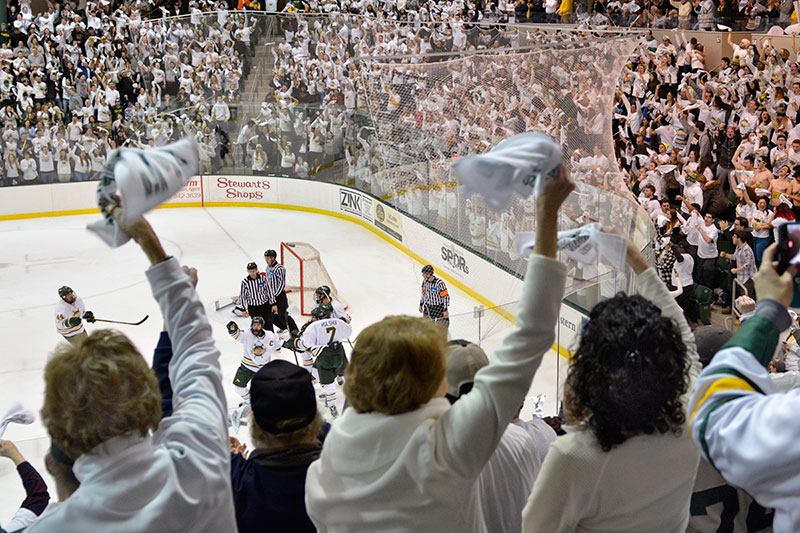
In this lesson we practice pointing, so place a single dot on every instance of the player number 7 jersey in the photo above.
(321, 333)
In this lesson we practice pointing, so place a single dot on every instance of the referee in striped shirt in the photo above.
(435, 299)
(276, 279)
(254, 296)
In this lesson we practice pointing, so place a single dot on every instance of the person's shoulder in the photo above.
(579, 447)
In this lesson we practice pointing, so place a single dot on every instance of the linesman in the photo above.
(434, 300)
(254, 296)
(276, 276)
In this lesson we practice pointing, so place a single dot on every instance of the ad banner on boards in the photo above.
(254, 189)
(454, 259)
(191, 193)
(570, 324)
(354, 203)
(389, 221)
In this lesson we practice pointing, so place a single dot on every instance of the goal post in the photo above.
(305, 271)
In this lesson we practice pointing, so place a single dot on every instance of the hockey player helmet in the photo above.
(322, 292)
(326, 310)
(257, 320)
(63, 291)
(322, 311)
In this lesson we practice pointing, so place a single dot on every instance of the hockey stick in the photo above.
(120, 322)
(286, 323)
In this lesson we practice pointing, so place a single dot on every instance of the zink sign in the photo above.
(355, 203)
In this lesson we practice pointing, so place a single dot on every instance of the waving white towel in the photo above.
(518, 164)
(144, 179)
(17, 414)
(586, 245)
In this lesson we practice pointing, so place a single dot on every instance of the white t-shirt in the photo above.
(507, 479)
(708, 250)
(762, 217)
(777, 223)
(745, 210)
(684, 271)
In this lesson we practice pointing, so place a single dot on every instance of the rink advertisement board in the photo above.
(238, 188)
(355, 203)
(389, 221)
(190, 195)
(570, 323)
(455, 259)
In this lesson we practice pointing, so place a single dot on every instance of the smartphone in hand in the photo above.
(789, 254)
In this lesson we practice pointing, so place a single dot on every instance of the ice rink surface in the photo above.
(37, 256)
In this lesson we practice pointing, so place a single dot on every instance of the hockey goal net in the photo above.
(304, 273)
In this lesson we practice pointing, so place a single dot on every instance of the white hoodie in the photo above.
(417, 470)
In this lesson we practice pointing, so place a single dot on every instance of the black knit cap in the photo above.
(282, 391)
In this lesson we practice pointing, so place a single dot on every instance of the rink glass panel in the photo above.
(409, 121)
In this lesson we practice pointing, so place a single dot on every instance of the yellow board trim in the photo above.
(561, 350)
(731, 383)
(44, 214)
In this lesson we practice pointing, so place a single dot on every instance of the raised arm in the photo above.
(470, 431)
(36, 495)
(703, 233)
(652, 288)
(686, 202)
(739, 421)
(199, 418)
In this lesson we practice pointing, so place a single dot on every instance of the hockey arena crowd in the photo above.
(667, 424)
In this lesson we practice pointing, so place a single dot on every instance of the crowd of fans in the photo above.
(712, 156)
(79, 82)
(400, 122)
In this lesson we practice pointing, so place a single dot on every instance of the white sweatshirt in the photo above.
(642, 485)
(417, 470)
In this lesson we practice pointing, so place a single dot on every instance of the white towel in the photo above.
(16, 413)
(144, 179)
(586, 245)
(519, 164)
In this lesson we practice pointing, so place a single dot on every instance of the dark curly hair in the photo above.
(629, 372)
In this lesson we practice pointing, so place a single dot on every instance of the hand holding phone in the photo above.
(788, 252)
(772, 281)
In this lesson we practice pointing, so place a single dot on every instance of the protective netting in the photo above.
(426, 115)
(305, 272)
(387, 106)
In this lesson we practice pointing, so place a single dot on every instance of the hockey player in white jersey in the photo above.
(323, 296)
(320, 342)
(258, 346)
(69, 312)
